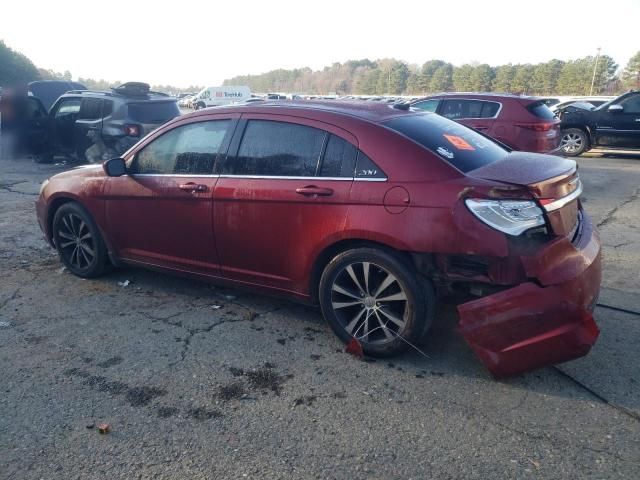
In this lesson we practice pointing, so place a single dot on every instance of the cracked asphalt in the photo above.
(202, 382)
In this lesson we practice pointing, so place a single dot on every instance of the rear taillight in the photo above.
(551, 204)
(537, 127)
(132, 130)
(509, 216)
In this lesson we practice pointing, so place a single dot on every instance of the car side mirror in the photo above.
(615, 108)
(115, 167)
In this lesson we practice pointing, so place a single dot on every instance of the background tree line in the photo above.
(391, 76)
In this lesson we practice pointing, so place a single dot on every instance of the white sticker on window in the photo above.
(445, 153)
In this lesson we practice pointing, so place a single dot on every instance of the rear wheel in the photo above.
(574, 142)
(375, 297)
(78, 241)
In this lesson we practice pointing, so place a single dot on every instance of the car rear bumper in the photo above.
(546, 320)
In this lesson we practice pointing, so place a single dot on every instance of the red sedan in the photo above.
(371, 211)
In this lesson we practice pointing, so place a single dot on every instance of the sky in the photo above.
(202, 43)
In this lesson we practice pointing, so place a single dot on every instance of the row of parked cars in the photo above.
(67, 119)
(571, 127)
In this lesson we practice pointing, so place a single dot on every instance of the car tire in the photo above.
(573, 142)
(78, 241)
(376, 297)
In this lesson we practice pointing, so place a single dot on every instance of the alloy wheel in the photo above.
(76, 243)
(370, 303)
(571, 142)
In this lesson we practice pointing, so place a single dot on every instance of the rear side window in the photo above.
(278, 149)
(90, 109)
(456, 109)
(366, 168)
(540, 110)
(489, 109)
(153, 112)
(339, 158)
(107, 108)
(190, 149)
(458, 145)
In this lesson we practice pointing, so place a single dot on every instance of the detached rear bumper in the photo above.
(544, 321)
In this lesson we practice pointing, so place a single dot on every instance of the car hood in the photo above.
(82, 171)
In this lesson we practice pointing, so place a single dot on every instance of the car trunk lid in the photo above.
(553, 181)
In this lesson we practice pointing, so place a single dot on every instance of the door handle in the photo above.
(313, 191)
(193, 187)
(482, 127)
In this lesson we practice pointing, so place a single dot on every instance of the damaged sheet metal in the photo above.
(543, 321)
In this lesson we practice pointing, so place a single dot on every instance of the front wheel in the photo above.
(375, 297)
(574, 142)
(78, 241)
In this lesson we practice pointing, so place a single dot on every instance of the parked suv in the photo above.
(96, 125)
(519, 122)
(613, 125)
(365, 209)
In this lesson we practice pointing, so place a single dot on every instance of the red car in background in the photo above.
(371, 211)
(521, 123)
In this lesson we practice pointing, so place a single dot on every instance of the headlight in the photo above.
(509, 216)
(42, 187)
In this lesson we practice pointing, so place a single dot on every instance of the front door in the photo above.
(160, 213)
(36, 126)
(284, 182)
(620, 129)
(63, 118)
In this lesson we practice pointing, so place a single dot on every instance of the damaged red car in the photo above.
(371, 211)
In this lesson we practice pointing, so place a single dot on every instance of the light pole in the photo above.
(593, 78)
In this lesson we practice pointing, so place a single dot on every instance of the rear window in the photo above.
(540, 110)
(153, 112)
(458, 145)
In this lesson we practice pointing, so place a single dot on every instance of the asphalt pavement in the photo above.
(201, 382)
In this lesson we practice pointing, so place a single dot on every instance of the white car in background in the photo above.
(216, 96)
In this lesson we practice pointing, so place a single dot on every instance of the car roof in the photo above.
(370, 111)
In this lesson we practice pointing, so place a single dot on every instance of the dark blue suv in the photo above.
(97, 125)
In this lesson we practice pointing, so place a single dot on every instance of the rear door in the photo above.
(160, 213)
(88, 130)
(620, 129)
(285, 182)
(478, 114)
